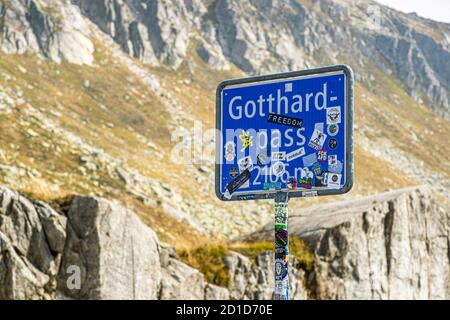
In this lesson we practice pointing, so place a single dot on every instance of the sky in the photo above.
(438, 10)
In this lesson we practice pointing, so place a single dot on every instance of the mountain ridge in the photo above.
(81, 115)
(160, 32)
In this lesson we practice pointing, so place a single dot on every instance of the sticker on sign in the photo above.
(295, 154)
(275, 128)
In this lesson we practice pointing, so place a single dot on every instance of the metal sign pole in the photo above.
(281, 246)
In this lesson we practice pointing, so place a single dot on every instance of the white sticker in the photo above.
(309, 160)
(332, 159)
(278, 156)
(227, 195)
(319, 126)
(334, 180)
(230, 157)
(309, 193)
(230, 151)
(336, 168)
(281, 286)
(278, 168)
(295, 154)
(230, 147)
(322, 155)
(288, 87)
(306, 174)
(262, 159)
(333, 115)
(245, 163)
(317, 140)
(246, 185)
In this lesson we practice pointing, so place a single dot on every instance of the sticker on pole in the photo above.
(285, 132)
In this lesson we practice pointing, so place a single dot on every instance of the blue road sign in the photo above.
(285, 132)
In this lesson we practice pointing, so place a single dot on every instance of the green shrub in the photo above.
(297, 248)
(209, 261)
(305, 258)
(252, 249)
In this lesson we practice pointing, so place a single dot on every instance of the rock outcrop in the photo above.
(114, 251)
(255, 280)
(394, 245)
(153, 31)
(103, 251)
(30, 251)
(54, 29)
(390, 246)
(268, 36)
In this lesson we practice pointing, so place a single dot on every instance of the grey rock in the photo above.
(213, 292)
(209, 48)
(166, 253)
(54, 29)
(261, 36)
(28, 267)
(114, 254)
(389, 246)
(54, 226)
(179, 281)
(19, 279)
(118, 255)
(153, 31)
(239, 269)
(415, 58)
(255, 280)
(248, 280)
(116, 19)
(256, 36)
(20, 223)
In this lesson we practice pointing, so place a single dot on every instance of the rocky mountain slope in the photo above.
(225, 32)
(391, 246)
(95, 97)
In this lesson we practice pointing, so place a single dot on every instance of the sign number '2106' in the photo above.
(285, 132)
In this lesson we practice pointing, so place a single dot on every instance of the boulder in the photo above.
(19, 221)
(28, 267)
(19, 279)
(117, 255)
(239, 270)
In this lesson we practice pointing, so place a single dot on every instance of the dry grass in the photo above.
(85, 111)
(209, 259)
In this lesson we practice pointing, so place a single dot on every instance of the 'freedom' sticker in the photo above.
(285, 120)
